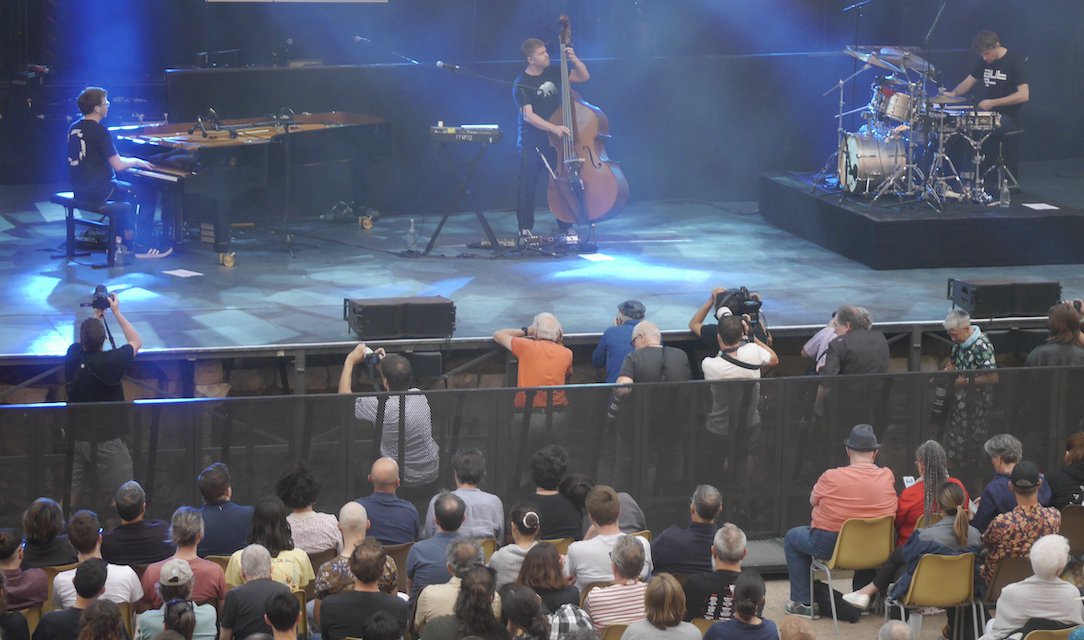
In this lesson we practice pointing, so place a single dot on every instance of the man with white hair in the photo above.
(1043, 595)
(544, 361)
(896, 630)
(973, 399)
(856, 349)
(711, 595)
(244, 610)
(335, 575)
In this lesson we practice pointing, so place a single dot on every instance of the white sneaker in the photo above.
(857, 600)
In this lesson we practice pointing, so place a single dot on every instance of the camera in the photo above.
(738, 302)
(100, 299)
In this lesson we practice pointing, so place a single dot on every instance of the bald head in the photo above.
(353, 520)
(384, 475)
(652, 337)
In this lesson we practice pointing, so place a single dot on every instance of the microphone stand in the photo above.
(857, 8)
(386, 50)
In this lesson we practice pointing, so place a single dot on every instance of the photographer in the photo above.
(94, 375)
(730, 302)
(420, 463)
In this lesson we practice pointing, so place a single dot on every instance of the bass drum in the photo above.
(865, 161)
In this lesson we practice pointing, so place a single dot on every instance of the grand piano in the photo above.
(201, 168)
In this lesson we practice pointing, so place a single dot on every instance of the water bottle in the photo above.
(1004, 201)
(412, 235)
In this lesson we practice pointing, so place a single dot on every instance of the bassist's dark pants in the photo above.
(530, 168)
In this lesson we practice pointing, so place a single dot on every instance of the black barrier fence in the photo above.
(763, 443)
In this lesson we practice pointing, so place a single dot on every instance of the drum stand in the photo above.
(822, 175)
(939, 180)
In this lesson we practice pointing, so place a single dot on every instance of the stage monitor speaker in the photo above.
(998, 298)
(390, 318)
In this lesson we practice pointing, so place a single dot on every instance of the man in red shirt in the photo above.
(859, 490)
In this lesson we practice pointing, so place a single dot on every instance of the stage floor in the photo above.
(667, 254)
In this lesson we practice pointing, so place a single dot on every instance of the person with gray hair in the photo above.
(1043, 595)
(616, 341)
(974, 396)
(464, 554)
(711, 595)
(896, 630)
(135, 541)
(857, 349)
(544, 361)
(622, 602)
(1004, 451)
(687, 551)
(243, 613)
(186, 532)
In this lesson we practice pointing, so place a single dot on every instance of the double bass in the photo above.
(585, 186)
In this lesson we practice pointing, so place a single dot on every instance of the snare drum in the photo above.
(890, 104)
(865, 161)
(979, 120)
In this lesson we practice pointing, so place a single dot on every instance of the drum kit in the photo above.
(901, 149)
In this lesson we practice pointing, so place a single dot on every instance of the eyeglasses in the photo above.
(633, 341)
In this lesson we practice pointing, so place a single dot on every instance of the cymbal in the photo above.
(942, 99)
(905, 59)
(873, 59)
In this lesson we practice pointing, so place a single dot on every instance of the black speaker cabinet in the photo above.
(390, 318)
(994, 297)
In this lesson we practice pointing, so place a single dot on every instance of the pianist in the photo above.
(93, 162)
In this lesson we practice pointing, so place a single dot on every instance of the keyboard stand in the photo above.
(464, 180)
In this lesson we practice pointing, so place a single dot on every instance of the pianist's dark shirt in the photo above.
(90, 145)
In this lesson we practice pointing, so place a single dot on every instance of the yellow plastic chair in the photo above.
(1072, 527)
(1060, 634)
(1009, 570)
(398, 553)
(614, 632)
(703, 624)
(921, 524)
(587, 590)
(222, 561)
(303, 619)
(942, 582)
(561, 544)
(33, 617)
(489, 545)
(126, 615)
(862, 544)
(50, 574)
(643, 534)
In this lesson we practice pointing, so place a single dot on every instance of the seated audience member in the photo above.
(23, 589)
(951, 536)
(542, 571)
(623, 601)
(122, 583)
(1063, 347)
(382, 626)
(135, 541)
(1067, 484)
(799, 628)
(312, 531)
(484, 516)
(103, 621)
(544, 360)
(688, 551)
(473, 612)
(464, 554)
(747, 623)
(560, 518)
(245, 607)
(1043, 595)
(336, 576)
(175, 590)
(521, 611)
(524, 525)
(343, 615)
(13, 624)
(920, 499)
(427, 561)
(589, 561)
(1005, 451)
(45, 547)
(576, 486)
(282, 612)
(1012, 533)
(224, 523)
(860, 490)
(186, 531)
(891, 630)
(616, 342)
(664, 608)
(394, 520)
(289, 565)
(63, 624)
(711, 595)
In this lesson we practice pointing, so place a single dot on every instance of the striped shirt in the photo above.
(617, 604)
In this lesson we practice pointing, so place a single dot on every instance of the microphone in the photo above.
(360, 39)
(451, 67)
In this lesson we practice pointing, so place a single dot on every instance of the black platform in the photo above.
(889, 236)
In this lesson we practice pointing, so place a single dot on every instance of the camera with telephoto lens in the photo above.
(100, 299)
(738, 302)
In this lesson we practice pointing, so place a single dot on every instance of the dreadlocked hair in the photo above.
(934, 473)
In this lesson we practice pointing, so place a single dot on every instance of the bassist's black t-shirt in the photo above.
(544, 98)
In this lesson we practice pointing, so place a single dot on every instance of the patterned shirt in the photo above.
(314, 532)
(1013, 533)
(335, 576)
(567, 618)
(422, 459)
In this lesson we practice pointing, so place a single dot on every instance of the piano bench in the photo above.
(110, 210)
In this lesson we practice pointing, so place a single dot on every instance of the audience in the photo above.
(1043, 595)
(747, 623)
(623, 601)
(1062, 348)
(800, 628)
(576, 486)
(63, 624)
(1066, 484)
(337, 576)
(312, 532)
(1004, 451)
(427, 561)
(224, 523)
(920, 499)
(13, 624)
(687, 551)
(22, 589)
(186, 531)
(560, 518)
(507, 560)
(891, 630)
(45, 547)
(473, 612)
(543, 571)
(121, 584)
(971, 349)
(243, 613)
(484, 516)
(589, 561)
(135, 541)
(464, 555)
(1012, 533)
(382, 626)
(103, 621)
(394, 520)
(860, 490)
(282, 611)
(711, 595)
(856, 349)
(270, 529)
(344, 614)
(616, 342)
(664, 608)
(522, 612)
(174, 588)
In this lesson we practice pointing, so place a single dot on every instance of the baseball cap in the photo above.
(632, 309)
(1025, 476)
(175, 573)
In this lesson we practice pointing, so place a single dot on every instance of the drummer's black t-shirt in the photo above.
(544, 99)
(1001, 78)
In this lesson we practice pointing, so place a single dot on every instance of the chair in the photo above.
(1005, 178)
(614, 632)
(643, 534)
(303, 619)
(942, 582)
(111, 211)
(862, 544)
(222, 561)
(921, 524)
(126, 615)
(1009, 570)
(1072, 527)
(317, 559)
(561, 544)
(703, 624)
(50, 574)
(1042, 634)
(139, 569)
(211, 601)
(399, 552)
(489, 545)
(33, 617)
(587, 590)
(680, 577)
